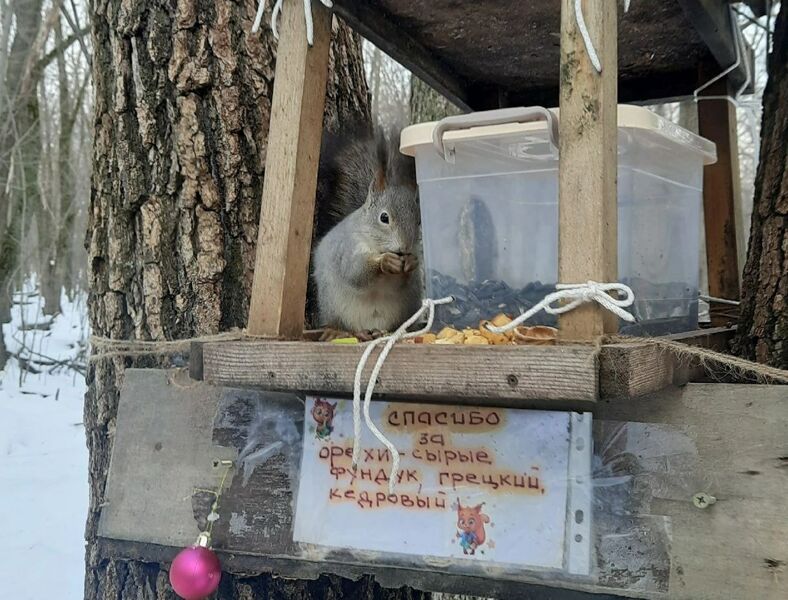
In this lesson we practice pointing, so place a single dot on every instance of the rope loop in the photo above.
(576, 294)
(428, 305)
(310, 27)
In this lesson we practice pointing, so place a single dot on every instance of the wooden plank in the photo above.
(287, 212)
(387, 577)
(721, 196)
(541, 376)
(376, 25)
(520, 377)
(651, 456)
(737, 548)
(587, 202)
(146, 442)
(631, 370)
(712, 21)
(658, 47)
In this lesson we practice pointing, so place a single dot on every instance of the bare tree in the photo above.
(34, 221)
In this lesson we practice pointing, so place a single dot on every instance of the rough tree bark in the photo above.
(183, 96)
(428, 105)
(763, 324)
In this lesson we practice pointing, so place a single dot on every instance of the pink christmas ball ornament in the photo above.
(195, 573)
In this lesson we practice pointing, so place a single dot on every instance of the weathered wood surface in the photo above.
(587, 198)
(738, 547)
(546, 376)
(629, 370)
(286, 217)
(563, 376)
(481, 47)
(722, 196)
(652, 455)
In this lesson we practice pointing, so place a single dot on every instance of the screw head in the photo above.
(703, 500)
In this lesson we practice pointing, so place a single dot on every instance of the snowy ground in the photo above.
(43, 458)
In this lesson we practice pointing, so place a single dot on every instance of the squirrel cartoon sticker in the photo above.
(470, 522)
(323, 414)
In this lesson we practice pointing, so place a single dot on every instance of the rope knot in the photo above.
(592, 291)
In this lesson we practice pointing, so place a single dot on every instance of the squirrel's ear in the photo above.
(379, 181)
(381, 163)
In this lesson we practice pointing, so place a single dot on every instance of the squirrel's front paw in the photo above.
(391, 263)
(410, 263)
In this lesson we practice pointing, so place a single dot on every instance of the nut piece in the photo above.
(476, 340)
(427, 338)
(497, 339)
(500, 320)
(538, 335)
(446, 333)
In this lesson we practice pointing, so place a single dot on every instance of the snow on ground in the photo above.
(43, 458)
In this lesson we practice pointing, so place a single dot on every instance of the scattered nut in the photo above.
(500, 320)
(538, 335)
(427, 338)
(497, 339)
(447, 332)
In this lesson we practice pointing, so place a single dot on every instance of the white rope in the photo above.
(401, 333)
(583, 28)
(581, 25)
(310, 26)
(577, 294)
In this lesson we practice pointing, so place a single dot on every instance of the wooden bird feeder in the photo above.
(481, 55)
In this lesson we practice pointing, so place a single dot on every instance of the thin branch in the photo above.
(45, 60)
(73, 22)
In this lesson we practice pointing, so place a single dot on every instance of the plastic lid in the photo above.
(629, 117)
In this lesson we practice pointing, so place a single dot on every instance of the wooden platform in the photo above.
(651, 456)
(487, 54)
(570, 376)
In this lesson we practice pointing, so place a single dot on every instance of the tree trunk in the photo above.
(19, 149)
(53, 230)
(183, 97)
(428, 105)
(763, 324)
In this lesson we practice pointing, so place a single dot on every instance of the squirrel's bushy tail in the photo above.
(349, 161)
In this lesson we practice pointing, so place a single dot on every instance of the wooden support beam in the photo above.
(587, 226)
(721, 195)
(285, 235)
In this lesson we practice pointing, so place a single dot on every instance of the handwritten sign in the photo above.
(475, 483)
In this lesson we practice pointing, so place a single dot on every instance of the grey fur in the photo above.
(353, 293)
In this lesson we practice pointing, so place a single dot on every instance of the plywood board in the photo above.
(651, 456)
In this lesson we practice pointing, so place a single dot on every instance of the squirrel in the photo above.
(366, 271)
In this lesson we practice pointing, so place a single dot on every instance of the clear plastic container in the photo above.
(489, 205)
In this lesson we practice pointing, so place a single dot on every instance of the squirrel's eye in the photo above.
(384, 217)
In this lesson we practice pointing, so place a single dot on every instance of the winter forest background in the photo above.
(46, 126)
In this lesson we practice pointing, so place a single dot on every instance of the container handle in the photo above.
(500, 116)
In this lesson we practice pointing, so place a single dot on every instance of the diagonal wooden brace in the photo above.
(285, 235)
